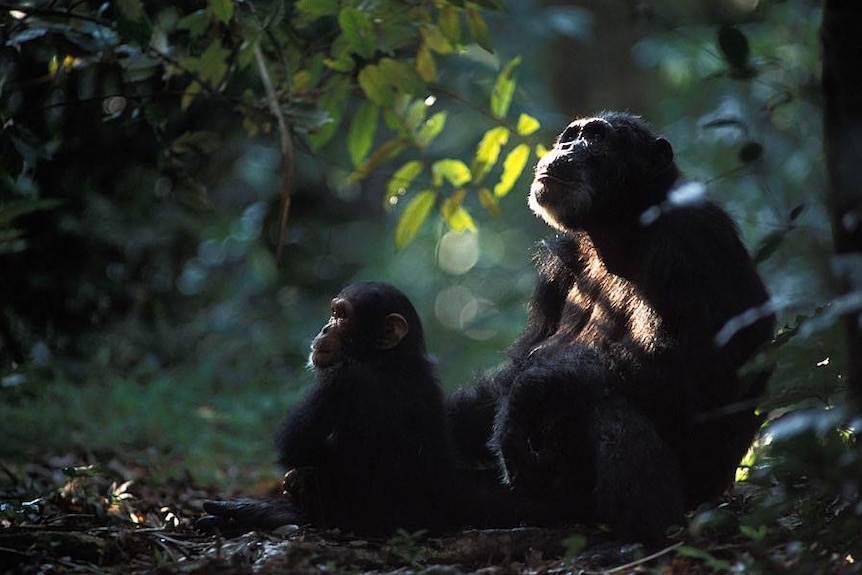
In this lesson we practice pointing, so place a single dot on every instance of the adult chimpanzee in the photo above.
(617, 402)
(367, 448)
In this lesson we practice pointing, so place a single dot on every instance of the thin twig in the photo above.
(638, 562)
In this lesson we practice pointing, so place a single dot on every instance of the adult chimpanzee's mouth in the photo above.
(544, 176)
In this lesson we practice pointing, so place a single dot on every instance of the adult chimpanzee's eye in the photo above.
(570, 134)
(594, 131)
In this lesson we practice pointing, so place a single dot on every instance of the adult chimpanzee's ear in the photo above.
(394, 329)
(663, 152)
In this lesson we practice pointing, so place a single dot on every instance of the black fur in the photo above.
(617, 403)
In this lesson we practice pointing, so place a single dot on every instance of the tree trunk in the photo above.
(841, 37)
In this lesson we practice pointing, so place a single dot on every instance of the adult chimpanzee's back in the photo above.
(619, 401)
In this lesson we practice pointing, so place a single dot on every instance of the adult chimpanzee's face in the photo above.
(610, 166)
(564, 189)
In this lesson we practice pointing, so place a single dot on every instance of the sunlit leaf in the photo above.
(401, 180)
(222, 9)
(527, 125)
(453, 171)
(504, 89)
(431, 129)
(414, 216)
(488, 151)
(363, 127)
(513, 167)
(415, 114)
(460, 220)
(541, 150)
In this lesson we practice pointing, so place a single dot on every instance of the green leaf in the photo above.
(222, 9)
(454, 213)
(196, 23)
(431, 129)
(376, 90)
(479, 29)
(433, 38)
(132, 10)
(453, 171)
(401, 76)
(357, 28)
(449, 24)
(488, 151)
(310, 10)
(504, 88)
(413, 217)
(527, 125)
(513, 167)
(189, 95)
(401, 180)
(212, 65)
(334, 100)
(386, 152)
(360, 137)
(425, 64)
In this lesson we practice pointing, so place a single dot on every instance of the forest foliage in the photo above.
(183, 185)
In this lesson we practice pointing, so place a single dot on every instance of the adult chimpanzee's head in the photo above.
(368, 320)
(607, 168)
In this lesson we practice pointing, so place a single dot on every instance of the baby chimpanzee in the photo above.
(367, 450)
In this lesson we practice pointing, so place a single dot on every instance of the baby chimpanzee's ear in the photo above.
(394, 329)
(662, 152)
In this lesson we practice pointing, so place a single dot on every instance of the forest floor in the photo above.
(117, 517)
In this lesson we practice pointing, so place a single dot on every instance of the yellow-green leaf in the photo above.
(388, 151)
(504, 88)
(479, 29)
(449, 23)
(196, 23)
(488, 151)
(425, 64)
(489, 202)
(430, 129)
(401, 75)
(413, 217)
(189, 95)
(541, 150)
(400, 180)
(212, 65)
(434, 39)
(513, 167)
(455, 215)
(222, 9)
(453, 171)
(378, 91)
(360, 136)
(527, 125)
